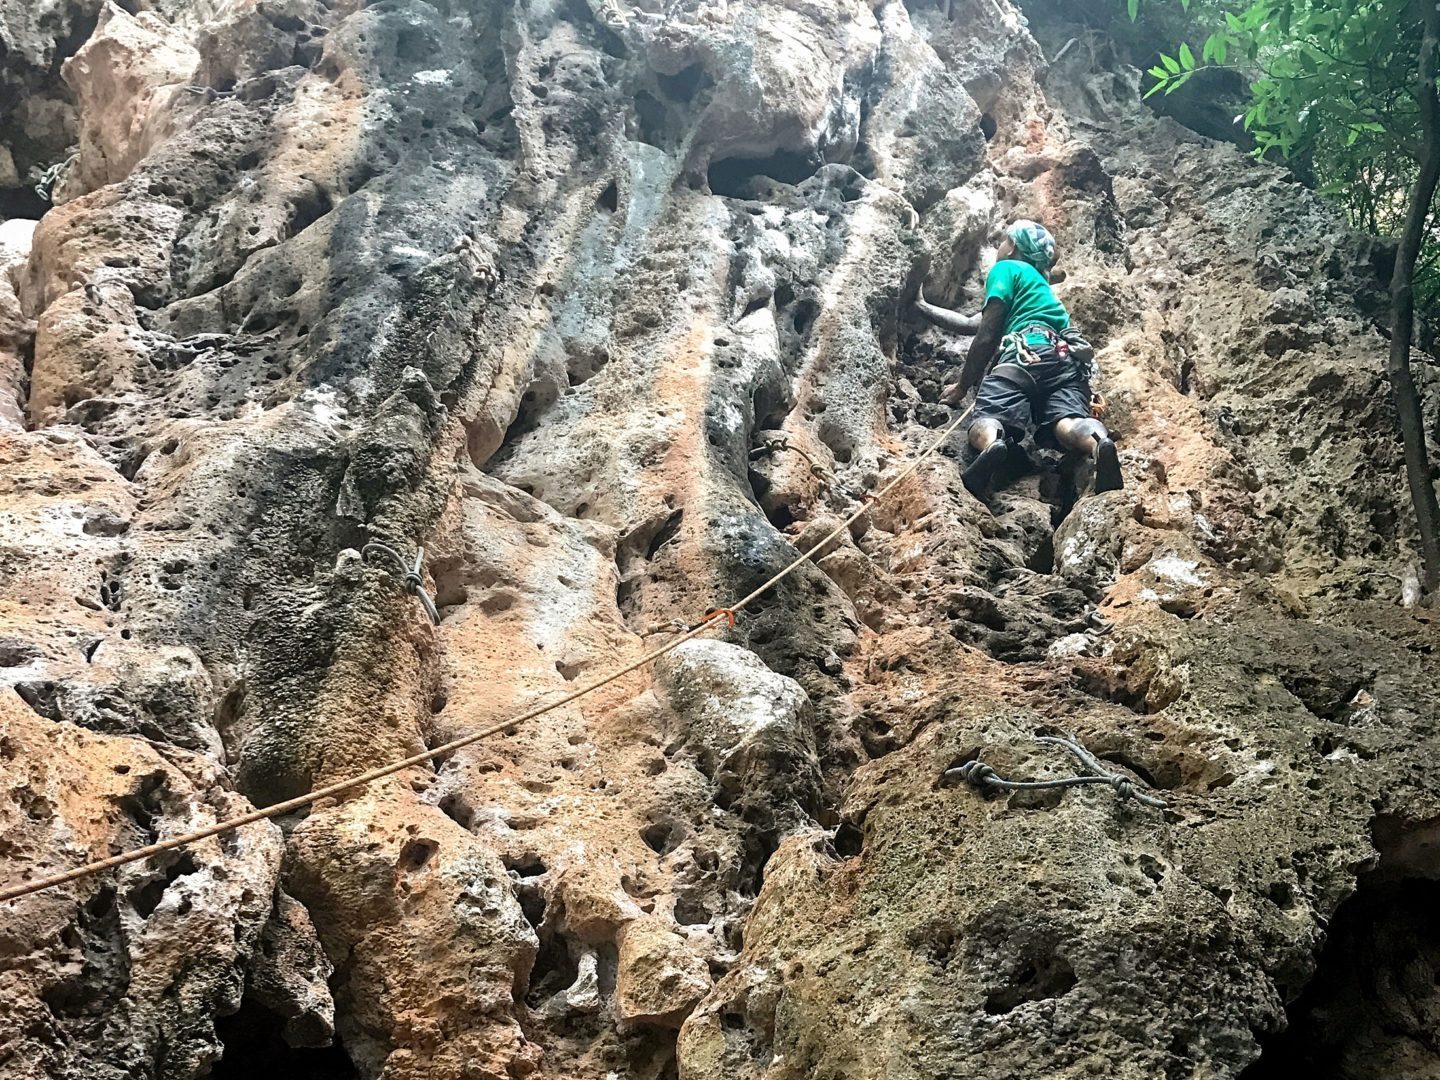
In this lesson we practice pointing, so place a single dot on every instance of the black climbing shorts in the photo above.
(1059, 392)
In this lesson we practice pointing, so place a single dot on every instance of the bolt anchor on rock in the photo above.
(983, 776)
(412, 577)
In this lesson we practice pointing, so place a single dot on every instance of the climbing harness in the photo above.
(1015, 356)
(981, 775)
(413, 580)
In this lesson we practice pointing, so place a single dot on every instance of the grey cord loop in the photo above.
(981, 775)
(411, 577)
(775, 445)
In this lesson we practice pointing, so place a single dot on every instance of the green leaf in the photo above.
(1171, 64)
(1134, 8)
(1159, 73)
(1233, 23)
(1187, 58)
(1153, 90)
(1175, 84)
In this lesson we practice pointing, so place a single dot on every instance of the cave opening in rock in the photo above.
(21, 202)
(255, 1045)
(1370, 1009)
(732, 177)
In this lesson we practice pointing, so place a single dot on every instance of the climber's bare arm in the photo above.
(946, 319)
(986, 343)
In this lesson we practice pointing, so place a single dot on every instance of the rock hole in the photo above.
(609, 198)
(734, 177)
(227, 717)
(849, 840)
(147, 898)
(805, 312)
(457, 809)
(416, 853)
(652, 116)
(42, 697)
(144, 805)
(308, 209)
(1376, 982)
(498, 601)
(19, 653)
(554, 971)
(685, 84)
(568, 672)
(255, 1044)
(754, 305)
(525, 865)
(1166, 776)
(104, 970)
(1045, 976)
(988, 126)
(877, 736)
(663, 837)
(691, 911)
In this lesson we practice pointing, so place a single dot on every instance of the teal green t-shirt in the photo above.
(1028, 298)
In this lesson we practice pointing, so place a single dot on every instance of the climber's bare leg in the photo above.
(988, 437)
(1086, 435)
(984, 432)
(1080, 434)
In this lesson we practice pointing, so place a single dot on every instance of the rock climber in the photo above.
(1033, 367)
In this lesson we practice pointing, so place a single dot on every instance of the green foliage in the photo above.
(1331, 82)
(1327, 74)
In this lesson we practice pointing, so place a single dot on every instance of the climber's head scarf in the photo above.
(1033, 243)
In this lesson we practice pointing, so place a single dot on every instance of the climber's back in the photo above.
(1029, 300)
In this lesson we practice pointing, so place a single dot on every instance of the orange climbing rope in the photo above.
(712, 618)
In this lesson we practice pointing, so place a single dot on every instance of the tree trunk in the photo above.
(1402, 306)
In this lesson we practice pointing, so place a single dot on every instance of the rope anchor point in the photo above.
(412, 577)
(981, 775)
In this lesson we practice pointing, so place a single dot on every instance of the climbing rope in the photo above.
(714, 617)
(981, 775)
(412, 577)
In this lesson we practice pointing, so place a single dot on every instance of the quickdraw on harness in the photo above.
(1015, 355)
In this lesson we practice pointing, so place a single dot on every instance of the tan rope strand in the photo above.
(14, 892)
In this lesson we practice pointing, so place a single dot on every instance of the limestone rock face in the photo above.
(602, 304)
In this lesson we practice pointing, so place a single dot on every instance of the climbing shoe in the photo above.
(982, 470)
(1107, 467)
